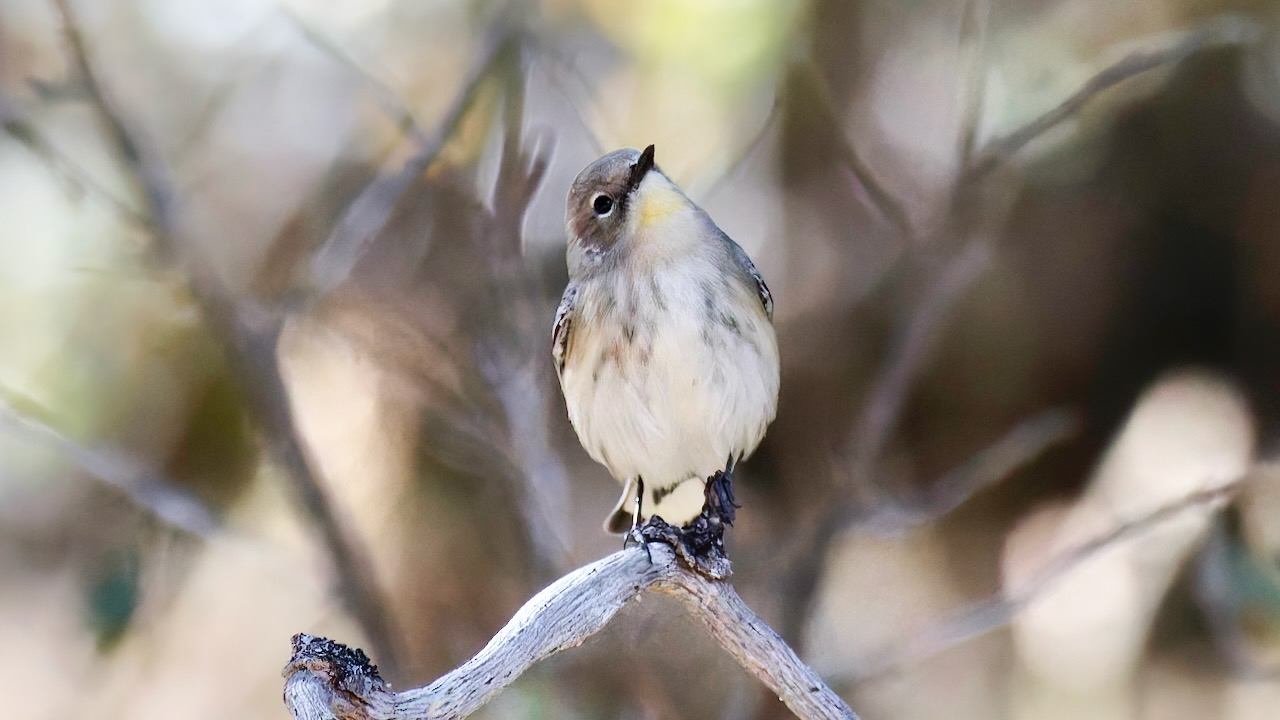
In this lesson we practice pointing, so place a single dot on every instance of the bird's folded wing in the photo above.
(564, 325)
(744, 261)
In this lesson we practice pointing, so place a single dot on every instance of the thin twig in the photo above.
(1221, 32)
(327, 680)
(156, 190)
(912, 346)
(1026, 441)
(563, 66)
(369, 213)
(195, 136)
(807, 75)
(914, 341)
(385, 95)
(977, 21)
(250, 336)
(145, 488)
(20, 128)
(881, 411)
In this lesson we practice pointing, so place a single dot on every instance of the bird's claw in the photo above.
(636, 535)
(699, 544)
(719, 500)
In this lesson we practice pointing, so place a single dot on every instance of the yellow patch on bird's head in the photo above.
(655, 201)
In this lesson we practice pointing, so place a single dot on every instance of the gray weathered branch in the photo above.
(327, 680)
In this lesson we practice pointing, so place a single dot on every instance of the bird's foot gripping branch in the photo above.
(699, 544)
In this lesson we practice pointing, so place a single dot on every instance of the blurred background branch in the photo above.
(369, 212)
(21, 129)
(147, 489)
(990, 615)
(1221, 32)
(250, 334)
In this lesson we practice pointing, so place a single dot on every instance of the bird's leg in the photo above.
(700, 543)
(634, 534)
(720, 502)
(635, 516)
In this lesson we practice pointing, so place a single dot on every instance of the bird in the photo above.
(663, 343)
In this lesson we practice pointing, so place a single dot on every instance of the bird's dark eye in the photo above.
(603, 205)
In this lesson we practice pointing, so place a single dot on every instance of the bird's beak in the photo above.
(643, 165)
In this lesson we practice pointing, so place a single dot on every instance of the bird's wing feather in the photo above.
(744, 262)
(563, 327)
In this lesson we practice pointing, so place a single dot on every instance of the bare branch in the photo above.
(986, 616)
(756, 647)
(369, 213)
(1026, 441)
(327, 680)
(884, 404)
(560, 67)
(912, 345)
(250, 336)
(1022, 444)
(1224, 31)
(917, 336)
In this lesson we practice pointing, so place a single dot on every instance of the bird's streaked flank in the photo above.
(664, 345)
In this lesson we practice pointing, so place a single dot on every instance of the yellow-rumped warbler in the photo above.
(663, 341)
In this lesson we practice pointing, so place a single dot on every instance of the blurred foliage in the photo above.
(114, 597)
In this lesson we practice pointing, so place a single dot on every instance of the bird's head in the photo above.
(618, 197)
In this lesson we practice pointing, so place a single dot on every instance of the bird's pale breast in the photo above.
(671, 372)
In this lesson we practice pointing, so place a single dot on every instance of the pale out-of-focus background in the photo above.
(276, 292)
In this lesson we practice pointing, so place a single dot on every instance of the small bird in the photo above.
(663, 341)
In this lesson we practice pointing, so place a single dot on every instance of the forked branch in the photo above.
(328, 680)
